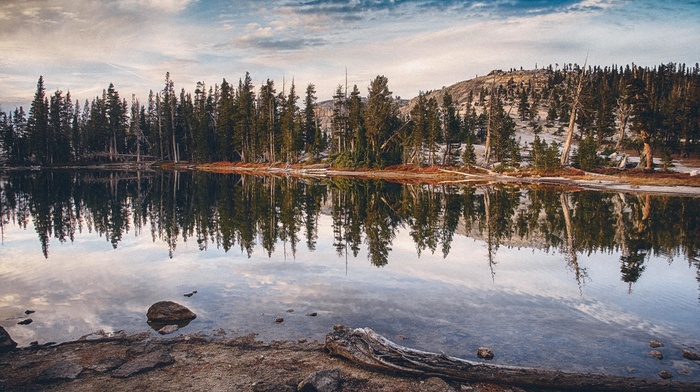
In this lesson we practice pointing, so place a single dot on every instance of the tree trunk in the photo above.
(623, 116)
(367, 348)
(646, 159)
(572, 119)
(487, 153)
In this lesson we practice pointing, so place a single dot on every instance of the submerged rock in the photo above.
(693, 356)
(6, 342)
(655, 344)
(656, 354)
(484, 353)
(170, 328)
(165, 311)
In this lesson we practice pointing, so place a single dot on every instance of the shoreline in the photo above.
(199, 362)
(629, 181)
(660, 183)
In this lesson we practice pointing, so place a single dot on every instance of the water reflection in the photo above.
(524, 270)
(230, 211)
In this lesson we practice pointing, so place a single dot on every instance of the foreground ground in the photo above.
(196, 363)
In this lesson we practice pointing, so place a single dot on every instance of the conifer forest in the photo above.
(654, 111)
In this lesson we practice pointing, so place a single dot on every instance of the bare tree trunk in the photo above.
(160, 127)
(646, 159)
(623, 115)
(487, 153)
(572, 118)
(176, 157)
(579, 273)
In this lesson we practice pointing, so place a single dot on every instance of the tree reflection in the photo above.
(275, 213)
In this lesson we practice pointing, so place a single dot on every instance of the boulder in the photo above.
(166, 311)
(144, 363)
(6, 342)
(321, 381)
(63, 370)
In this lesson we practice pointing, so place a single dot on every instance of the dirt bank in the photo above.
(633, 181)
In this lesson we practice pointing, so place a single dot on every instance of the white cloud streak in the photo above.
(83, 45)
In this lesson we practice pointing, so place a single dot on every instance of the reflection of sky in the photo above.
(530, 305)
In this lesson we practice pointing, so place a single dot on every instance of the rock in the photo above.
(665, 375)
(62, 370)
(484, 353)
(312, 314)
(338, 327)
(321, 381)
(25, 322)
(170, 328)
(435, 384)
(694, 173)
(693, 356)
(290, 310)
(105, 365)
(6, 342)
(262, 386)
(28, 312)
(166, 311)
(656, 354)
(150, 361)
(191, 293)
(655, 344)
(279, 320)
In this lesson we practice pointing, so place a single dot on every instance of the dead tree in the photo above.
(369, 349)
(572, 119)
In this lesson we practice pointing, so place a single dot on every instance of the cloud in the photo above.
(169, 6)
(418, 44)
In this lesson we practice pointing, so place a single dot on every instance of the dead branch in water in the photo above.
(365, 347)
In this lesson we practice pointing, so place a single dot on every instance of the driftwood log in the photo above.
(365, 347)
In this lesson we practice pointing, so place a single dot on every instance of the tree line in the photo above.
(655, 110)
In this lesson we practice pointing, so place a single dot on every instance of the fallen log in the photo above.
(365, 347)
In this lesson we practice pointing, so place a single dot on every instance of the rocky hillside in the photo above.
(460, 91)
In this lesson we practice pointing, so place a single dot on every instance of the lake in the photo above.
(546, 277)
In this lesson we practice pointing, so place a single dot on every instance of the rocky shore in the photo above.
(201, 363)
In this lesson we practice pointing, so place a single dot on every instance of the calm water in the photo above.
(567, 280)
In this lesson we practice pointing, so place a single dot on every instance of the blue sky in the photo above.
(83, 45)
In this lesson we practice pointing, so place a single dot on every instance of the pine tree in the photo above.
(380, 121)
(289, 130)
(451, 129)
(339, 122)
(38, 125)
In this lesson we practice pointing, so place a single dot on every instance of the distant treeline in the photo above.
(648, 109)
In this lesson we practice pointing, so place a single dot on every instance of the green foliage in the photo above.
(544, 157)
(342, 160)
(586, 156)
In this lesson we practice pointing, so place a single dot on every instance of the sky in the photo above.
(82, 46)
